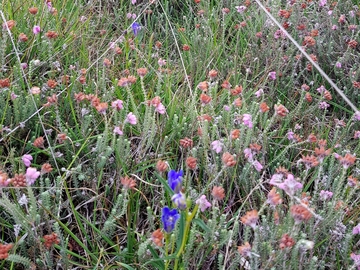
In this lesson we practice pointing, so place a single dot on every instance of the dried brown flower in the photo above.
(245, 250)
(157, 237)
(23, 37)
(142, 72)
(191, 162)
(213, 74)
(46, 168)
(300, 213)
(19, 180)
(237, 90)
(309, 41)
(4, 83)
(274, 198)
(51, 34)
(235, 134)
(186, 47)
(203, 86)
(128, 182)
(4, 251)
(9, 24)
(33, 10)
(218, 193)
(286, 242)
(264, 107)
(51, 83)
(228, 159)
(280, 110)
(205, 99)
(39, 142)
(161, 166)
(50, 240)
(250, 218)
(186, 142)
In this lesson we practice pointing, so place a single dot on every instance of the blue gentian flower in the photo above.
(179, 200)
(136, 28)
(169, 218)
(175, 180)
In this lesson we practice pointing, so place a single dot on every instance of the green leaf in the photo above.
(201, 224)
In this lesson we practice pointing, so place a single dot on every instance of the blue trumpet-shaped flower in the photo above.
(175, 180)
(136, 28)
(169, 218)
(179, 200)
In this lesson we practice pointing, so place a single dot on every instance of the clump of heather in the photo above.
(189, 136)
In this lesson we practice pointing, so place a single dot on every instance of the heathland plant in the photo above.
(179, 135)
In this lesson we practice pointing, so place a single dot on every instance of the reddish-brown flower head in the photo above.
(250, 218)
(128, 182)
(4, 83)
(50, 240)
(228, 159)
(39, 142)
(186, 142)
(161, 166)
(280, 110)
(300, 213)
(157, 237)
(191, 162)
(286, 242)
(245, 250)
(218, 193)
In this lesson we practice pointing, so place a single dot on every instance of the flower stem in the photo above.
(189, 218)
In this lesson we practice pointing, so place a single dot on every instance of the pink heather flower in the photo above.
(27, 160)
(356, 259)
(323, 105)
(357, 115)
(24, 65)
(321, 89)
(259, 93)
(203, 203)
(257, 165)
(357, 134)
(240, 9)
(272, 76)
(36, 29)
(247, 120)
(217, 146)
(13, 96)
(131, 119)
(352, 13)
(131, 16)
(133, 2)
(289, 185)
(330, 12)
(325, 195)
(338, 65)
(290, 136)
(334, 27)
(226, 108)
(118, 131)
(112, 45)
(356, 229)
(279, 34)
(248, 154)
(322, 3)
(117, 104)
(31, 175)
(160, 108)
(161, 62)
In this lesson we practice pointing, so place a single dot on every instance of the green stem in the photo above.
(189, 218)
